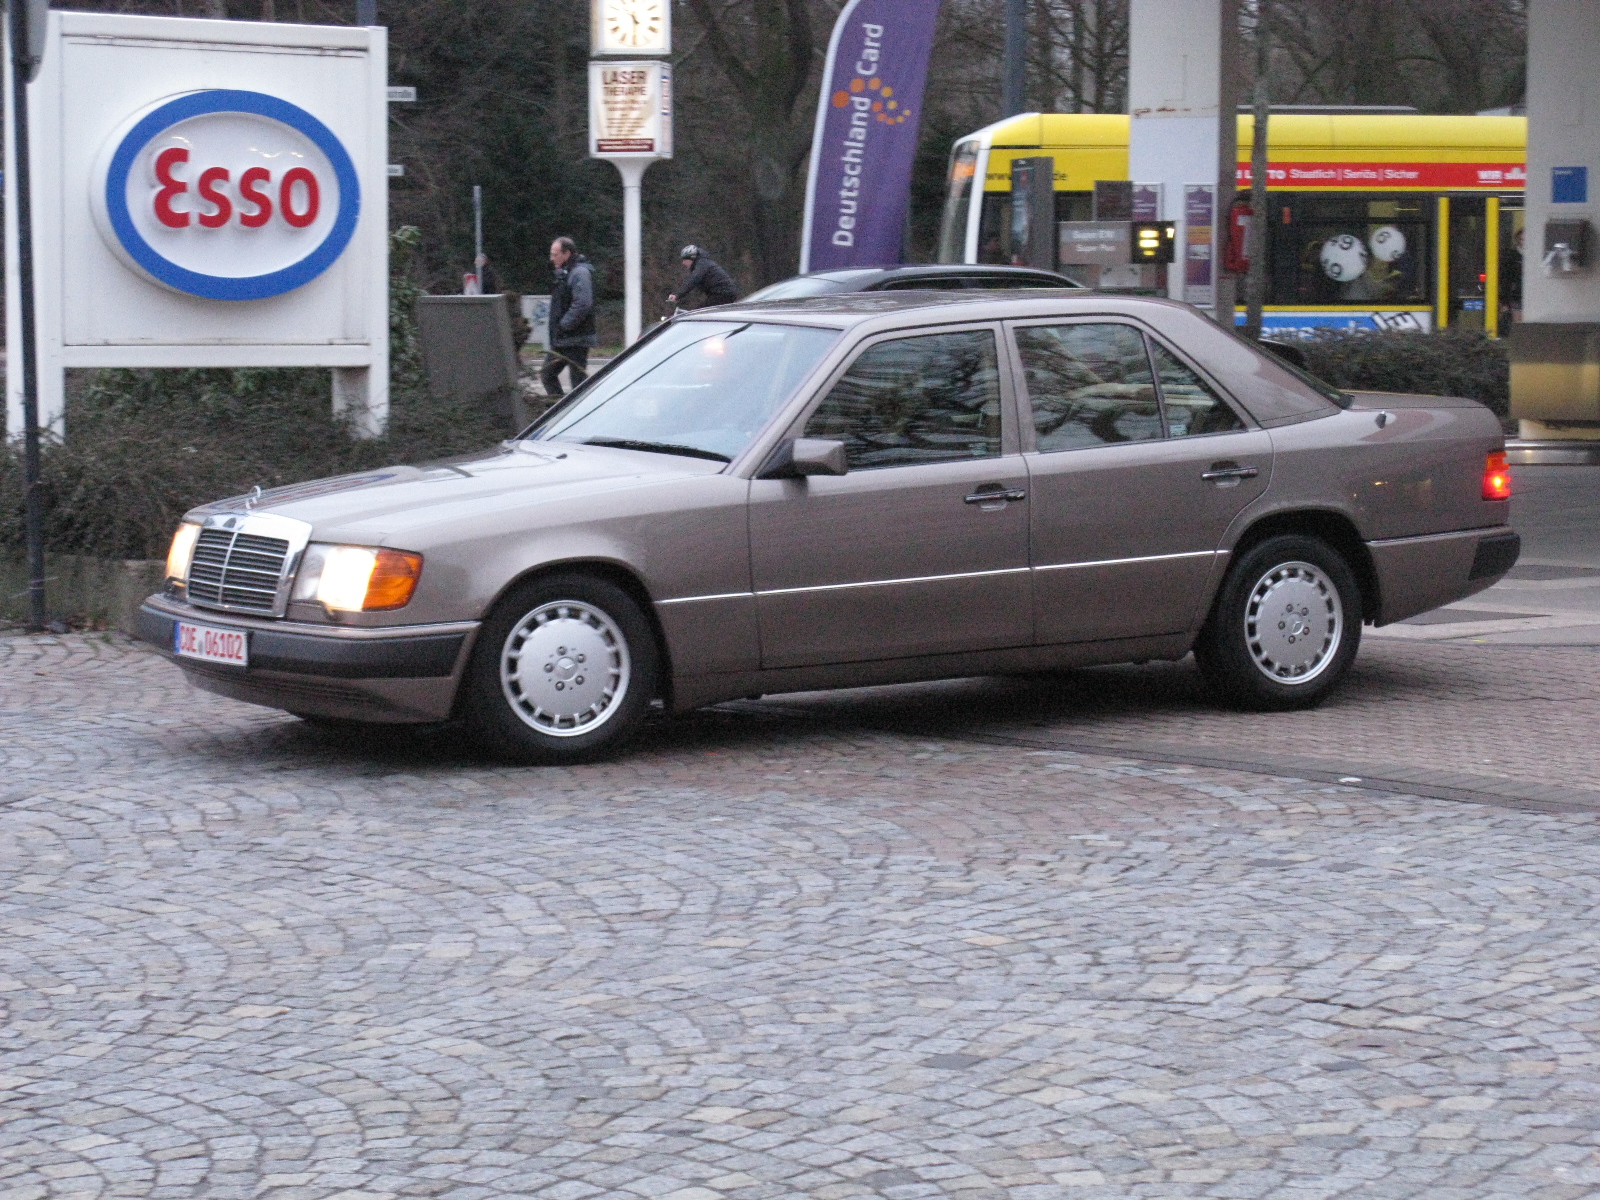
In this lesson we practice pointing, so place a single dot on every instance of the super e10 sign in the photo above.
(227, 195)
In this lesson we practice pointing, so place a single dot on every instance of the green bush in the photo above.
(145, 446)
(1451, 363)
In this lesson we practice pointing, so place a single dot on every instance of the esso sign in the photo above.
(227, 195)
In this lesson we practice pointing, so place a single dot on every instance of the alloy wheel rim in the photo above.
(564, 668)
(1294, 623)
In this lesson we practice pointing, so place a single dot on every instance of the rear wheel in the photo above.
(563, 671)
(1285, 627)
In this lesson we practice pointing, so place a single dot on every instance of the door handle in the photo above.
(991, 493)
(1222, 471)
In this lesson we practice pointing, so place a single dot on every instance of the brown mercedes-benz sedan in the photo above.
(854, 490)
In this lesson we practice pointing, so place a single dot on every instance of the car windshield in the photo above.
(698, 388)
(802, 286)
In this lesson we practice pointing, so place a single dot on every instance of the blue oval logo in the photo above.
(231, 195)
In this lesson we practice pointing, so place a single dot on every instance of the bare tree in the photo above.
(767, 51)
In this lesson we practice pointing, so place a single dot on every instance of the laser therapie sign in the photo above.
(865, 142)
(226, 195)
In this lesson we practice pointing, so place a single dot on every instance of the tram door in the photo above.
(1482, 285)
(1468, 274)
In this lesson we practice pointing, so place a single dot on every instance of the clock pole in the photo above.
(630, 119)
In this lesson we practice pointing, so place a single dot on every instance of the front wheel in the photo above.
(563, 671)
(1285, 627)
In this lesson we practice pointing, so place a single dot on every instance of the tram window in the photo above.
(1350, 249)
(953, 222)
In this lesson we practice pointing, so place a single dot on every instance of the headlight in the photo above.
(182, 551)
(357, 578)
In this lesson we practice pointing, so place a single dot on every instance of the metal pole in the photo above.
(1256, 281)
(1013, 98)
(366, 12)
(632, 171)
(477, 231)
(33, 486)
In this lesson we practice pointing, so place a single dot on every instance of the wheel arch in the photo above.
(1335, 528)
(621, 576)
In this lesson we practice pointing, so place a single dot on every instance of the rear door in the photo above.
(922, 548)
(1137, 465)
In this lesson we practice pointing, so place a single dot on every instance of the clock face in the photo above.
(632, 25)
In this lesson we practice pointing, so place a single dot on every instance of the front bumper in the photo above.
(385, 674)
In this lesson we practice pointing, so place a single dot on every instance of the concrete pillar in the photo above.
(1555, 373)
(1183, 98)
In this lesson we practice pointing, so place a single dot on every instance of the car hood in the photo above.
(380, 507)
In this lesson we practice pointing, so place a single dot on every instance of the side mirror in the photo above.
(799, 457)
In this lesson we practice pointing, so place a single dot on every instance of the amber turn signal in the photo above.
(1496, 477)
(394, 578)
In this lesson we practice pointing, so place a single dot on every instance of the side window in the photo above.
(1090, 385)
(916, 400)
(1192, 407)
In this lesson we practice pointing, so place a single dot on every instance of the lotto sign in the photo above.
(227, 195)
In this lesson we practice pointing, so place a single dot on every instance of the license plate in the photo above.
(231, 646)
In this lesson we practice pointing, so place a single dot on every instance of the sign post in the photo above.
(630, 119)
(25, 30)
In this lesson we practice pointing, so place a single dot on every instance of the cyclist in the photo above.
(711, 280)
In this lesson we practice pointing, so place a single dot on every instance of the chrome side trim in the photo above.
(839, 587)
(697, 599)
(1122, 562)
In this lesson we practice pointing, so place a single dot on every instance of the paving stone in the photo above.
(776, 953)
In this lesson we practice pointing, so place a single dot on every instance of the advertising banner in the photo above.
(630, 110)
(1199, 215)
(866, 134)
(1392, 176)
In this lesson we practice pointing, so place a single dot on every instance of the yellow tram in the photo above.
(1377, 220)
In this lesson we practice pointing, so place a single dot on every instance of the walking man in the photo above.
(716, 284)
(572, 329)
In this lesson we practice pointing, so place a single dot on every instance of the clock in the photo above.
(631, 26)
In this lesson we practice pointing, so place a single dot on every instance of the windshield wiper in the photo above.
(657, 448)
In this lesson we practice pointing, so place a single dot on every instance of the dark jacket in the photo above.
(572, 305)
(715, 283)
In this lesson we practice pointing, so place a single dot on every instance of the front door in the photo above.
(922, 548)
(1139, 467)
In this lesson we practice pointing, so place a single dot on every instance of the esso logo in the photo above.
(227, 195)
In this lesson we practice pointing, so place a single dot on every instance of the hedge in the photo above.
(1455, 362)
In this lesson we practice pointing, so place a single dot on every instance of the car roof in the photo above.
(846, 310)
(939, 270)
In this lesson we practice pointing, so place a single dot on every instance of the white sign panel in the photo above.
(630, 110)
(209, 193)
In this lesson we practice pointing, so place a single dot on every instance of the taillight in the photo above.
(1496, 477)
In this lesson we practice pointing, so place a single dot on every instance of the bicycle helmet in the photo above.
(690, 251)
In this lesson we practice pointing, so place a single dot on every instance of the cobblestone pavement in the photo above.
(1514, 720)
(766, 955)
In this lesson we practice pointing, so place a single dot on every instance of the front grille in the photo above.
(237, 570)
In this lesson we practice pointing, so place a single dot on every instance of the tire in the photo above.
(563, 671)
(1294, 661)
